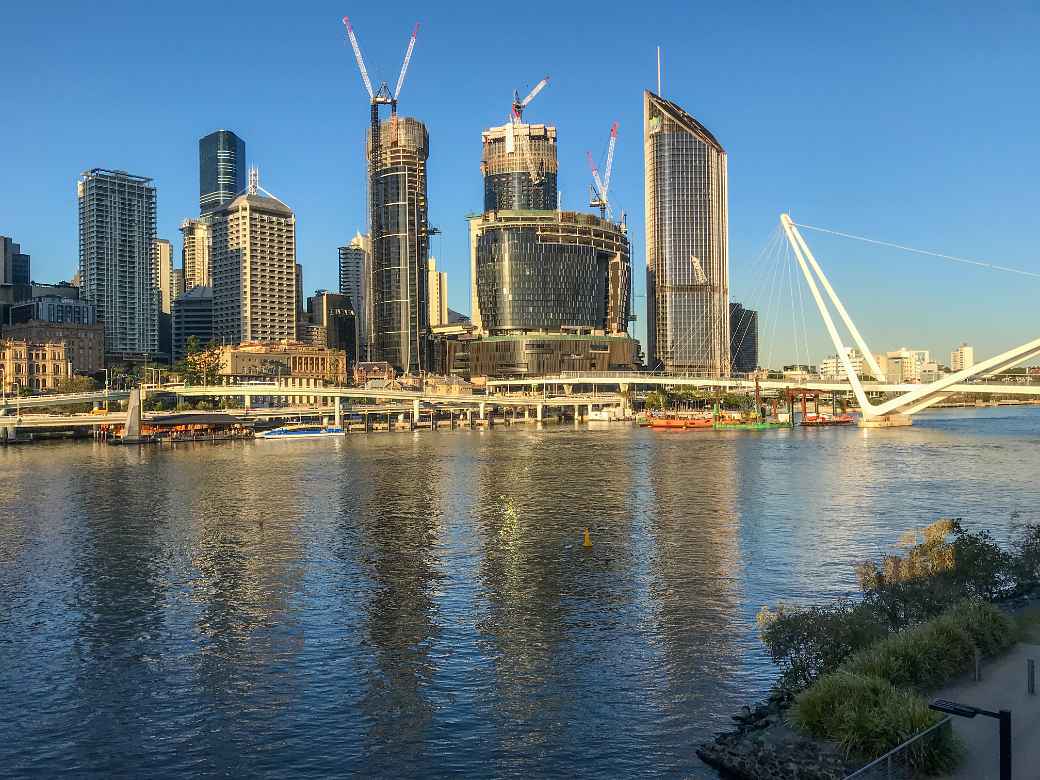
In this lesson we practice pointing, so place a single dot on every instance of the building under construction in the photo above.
(396, 151)
(551, 289)
(400, 243)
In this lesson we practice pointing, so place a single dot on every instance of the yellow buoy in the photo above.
(588, 539)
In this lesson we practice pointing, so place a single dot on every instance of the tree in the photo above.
(201, 365)
(76, 384)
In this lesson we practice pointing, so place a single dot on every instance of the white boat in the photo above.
(303, 431)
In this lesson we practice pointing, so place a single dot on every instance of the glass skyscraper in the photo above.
(222, 169)
(687, 243)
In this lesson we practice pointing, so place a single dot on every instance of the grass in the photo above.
(868, 716)
(873, 702)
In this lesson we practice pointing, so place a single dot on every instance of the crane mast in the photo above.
(519, 105)
(601, 186)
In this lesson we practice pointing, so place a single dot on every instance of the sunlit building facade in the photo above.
(687, 244)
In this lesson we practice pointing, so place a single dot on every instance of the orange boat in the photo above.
(680, 423)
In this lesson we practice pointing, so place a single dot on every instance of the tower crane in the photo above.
(519, 105)
(601, 187)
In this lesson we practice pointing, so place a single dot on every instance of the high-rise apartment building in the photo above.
(355, 269)
(164, 273)
(196, 259)
(117, 257)
(743, 341)
(177, 283)
(687, 245)
(254, 270)
(438, 286)
(397, 158)
(222, 169)
(962, 357)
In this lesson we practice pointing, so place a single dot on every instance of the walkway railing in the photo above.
(898, 763)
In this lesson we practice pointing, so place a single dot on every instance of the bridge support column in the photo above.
(886, 421)
(247, 401)
(415, 411)
(483, 410)
(339, 413)
(568, 389)
(626, 399)
(540, 412)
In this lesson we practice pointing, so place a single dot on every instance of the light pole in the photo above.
(968, 711)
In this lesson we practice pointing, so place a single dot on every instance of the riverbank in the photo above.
(862, 673)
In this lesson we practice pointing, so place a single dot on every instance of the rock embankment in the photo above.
(764, 747)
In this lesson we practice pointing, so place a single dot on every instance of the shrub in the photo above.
(868, 717)
(807, 643)
(926, 657)
(1026, 560)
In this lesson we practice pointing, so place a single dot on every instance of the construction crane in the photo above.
(601, 187)
(519, 105)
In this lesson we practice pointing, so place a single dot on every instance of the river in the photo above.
(420, 605)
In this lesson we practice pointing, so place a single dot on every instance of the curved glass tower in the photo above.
(687, 243)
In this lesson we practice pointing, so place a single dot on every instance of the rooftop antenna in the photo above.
(254, 180)
(659, 72)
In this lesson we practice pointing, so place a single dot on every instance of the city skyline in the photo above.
(853, 159)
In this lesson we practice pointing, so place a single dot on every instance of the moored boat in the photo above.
(815, 420)
(679, 423)
(302, 431)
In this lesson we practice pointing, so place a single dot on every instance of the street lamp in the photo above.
(968, 711)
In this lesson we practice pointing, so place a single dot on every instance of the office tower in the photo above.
(962, 357)
(192, 316)
(15, 268)
(400, 243)
(164, 273)
(334, 313)
(438, 286)
(177, 283)
(254, 269)
(222, 169)
(116, 258)
(743, 341)
(196, 259)
(687, 249)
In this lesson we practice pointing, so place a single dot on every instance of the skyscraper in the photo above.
(163, 273)
(222, 169)
(743, 342)
(254, 270)
(15, 268)
(354, 271)
(117, 257)
(438, 286)
(400, 243)
(195, 252)
(687, 242)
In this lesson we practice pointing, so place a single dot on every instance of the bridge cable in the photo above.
(954, 258)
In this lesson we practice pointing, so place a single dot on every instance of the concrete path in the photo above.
(1003, 686)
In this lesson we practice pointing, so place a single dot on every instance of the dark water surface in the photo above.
(402, 605)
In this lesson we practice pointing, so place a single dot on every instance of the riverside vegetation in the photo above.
(855, 672)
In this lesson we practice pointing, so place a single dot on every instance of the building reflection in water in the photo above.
(396, 509)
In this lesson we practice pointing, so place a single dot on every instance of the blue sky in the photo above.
(914, 123)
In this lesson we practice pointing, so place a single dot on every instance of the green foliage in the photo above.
(201, 364)
(76, 384)
(1025, 565)
(204, 406)
(656, 400)
(868, 716)
(806, 643)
